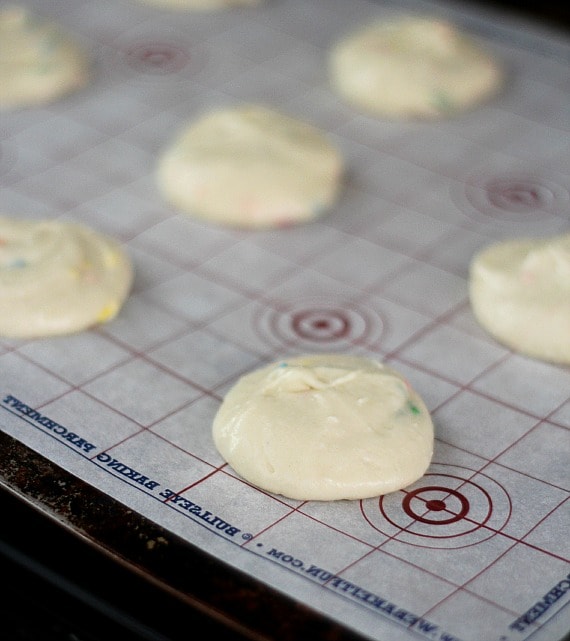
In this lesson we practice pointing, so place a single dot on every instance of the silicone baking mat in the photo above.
(476, 550)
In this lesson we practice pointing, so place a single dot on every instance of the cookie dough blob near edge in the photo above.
(202, 5)
(39, 62)
(519, 291)
(250, 167)
(58, 278)
(412, 68)
(325, 427)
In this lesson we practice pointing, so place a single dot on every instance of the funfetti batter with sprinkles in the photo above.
(411, 67)
(519, 291)
(58, 278)
(39, 61)
(325, 427)
(252, 167)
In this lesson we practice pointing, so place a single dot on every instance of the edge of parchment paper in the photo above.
(111, 549)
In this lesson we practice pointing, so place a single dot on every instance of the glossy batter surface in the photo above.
(325, 427)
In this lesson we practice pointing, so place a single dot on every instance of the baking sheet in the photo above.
(477, 550)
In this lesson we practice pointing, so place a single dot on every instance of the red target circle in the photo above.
(156, 58)
(436, 505)
(518, 197)
(452, 508)
(143, 57)
(318, 324)
(321, 324)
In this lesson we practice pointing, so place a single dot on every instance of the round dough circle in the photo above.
(520, 293)
(325, 427)
(412, 68)
(58, 278)
(250, 167)
(202, 5)
(38, 61)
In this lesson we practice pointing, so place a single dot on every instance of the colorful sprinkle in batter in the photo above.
(108, 312)
(414, 409)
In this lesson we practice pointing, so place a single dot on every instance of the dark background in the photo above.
(550, 14)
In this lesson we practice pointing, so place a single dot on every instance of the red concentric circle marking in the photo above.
(156, 58)
(435, 505)
(452, 508)
(321, 324)
(316, 324)
(517, 197)
(138, 56)
(455, 503)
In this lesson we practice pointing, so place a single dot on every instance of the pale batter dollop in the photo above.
(413, 68)
(39, 62)
(520, 293)
(202, 5)
(250, 167)
(58, 278)
(325, 427)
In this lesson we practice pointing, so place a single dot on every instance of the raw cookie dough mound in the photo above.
(250, 167)
(202, 5)
(325, 427)
(38, 61)
(58, 278)
(520, 293)
(412, 68)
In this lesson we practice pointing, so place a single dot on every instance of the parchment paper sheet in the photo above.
(478, 549)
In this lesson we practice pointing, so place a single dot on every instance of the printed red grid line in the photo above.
(243, 292)
(393, 355)
(396, 353)
(379, 548)
(495, 561)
